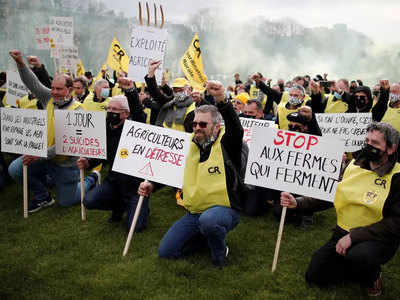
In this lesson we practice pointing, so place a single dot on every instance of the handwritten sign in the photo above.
(42, 37)
(81, 133)
(69, 58)
(15, 88)
(153, 153)
(62, 31)
(248, 123)
(24, 131)
(294, 162)
(146, 44)
(349, 127)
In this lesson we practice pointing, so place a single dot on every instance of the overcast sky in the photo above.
(378, 19)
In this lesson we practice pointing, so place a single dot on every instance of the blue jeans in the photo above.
(214, 223)
(89, 182)
(65, 180)
(112, 195)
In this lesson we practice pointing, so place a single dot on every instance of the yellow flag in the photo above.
(192, 65)
(80, 69)
(117, 58)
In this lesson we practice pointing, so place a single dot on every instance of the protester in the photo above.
(81, 91)
(388, 105)
(62, 169)
(237, 80)
(174, 110)
(118, 191)
(239, 102)
(253, 110)
(336, 102)
(367, 204)
(210, 191)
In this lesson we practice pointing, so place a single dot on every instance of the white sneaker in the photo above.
(98, 181)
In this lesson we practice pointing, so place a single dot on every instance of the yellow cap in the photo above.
(242, 97)
(180, 83)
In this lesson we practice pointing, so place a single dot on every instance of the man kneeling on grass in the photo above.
(367, 205)
(211, 183)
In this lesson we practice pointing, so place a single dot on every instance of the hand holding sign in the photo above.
(287, 200)
(216, 89)
(145, 188)
(82, 163)
(153, 66)
(28, 159)
(33, 61)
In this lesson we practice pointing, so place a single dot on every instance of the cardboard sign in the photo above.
(294, 162)
(42, 37)
(69, 58)
(81, 133)
(15, 88)
(146, 44)
(349, 127)
(62, 31)
(248, 124)
(153, 153)
(24, 131)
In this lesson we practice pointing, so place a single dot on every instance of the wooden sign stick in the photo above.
(25, 188)
(278, 241)
(83, 209)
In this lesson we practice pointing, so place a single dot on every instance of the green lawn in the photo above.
(53, 254)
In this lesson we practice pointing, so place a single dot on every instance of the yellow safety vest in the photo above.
(253, 92)
(204, 183)
(116, 90)
(25, 103)
(147, 111)
(91, 86)
(180, 127)
(51, 135)
(361, 195)
(90, 105)
(282, 116)
(4, 100)
(334, 107)
(392, 116)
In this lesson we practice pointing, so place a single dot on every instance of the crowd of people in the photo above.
(367, 201)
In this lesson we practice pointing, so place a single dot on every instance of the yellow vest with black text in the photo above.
(90, 105)
(253, 92)
(180, 127)
(392, 116)
(335, 107)
(361, 195)
(282, 115)
(51, 135)
(204, 183)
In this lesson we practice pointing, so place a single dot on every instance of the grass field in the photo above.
(53, 255)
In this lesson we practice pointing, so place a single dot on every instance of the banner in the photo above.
(153, 153)
(62, 31)
(24, 131)
(146, 44)
(294, 162)
(81, 133)
(192, 65)
(15, 88)
(248, 124)
(117, 58)
(349, 127)
(42, 37)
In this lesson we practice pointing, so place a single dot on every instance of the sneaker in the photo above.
(115, 217)
(98, 177)
(376, 289)
(38, 205)
(221, 262)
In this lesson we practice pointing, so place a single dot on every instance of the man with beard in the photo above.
(211, 191)
(367, 204)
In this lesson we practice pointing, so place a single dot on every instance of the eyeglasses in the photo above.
(201, 124)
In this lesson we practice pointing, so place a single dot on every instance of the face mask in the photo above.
(113, 118)
(287, 89)
(61, 102)
(361, 101)
(371, 153)
(295, 128)
(105, 92)
(393, 98)
(295, 101)
(337, 95)
(180, 96)
(248, 116)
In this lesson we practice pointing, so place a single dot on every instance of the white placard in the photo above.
(62, 31)
(42, 37)
(154, 153)
(146, 44)
(294, 162)
(15, 88)
(68, 58)
(81, 133)
(248, 123)
(24, 131)
(350, 127)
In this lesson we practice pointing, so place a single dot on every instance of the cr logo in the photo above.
(213, 170)
(379, 181)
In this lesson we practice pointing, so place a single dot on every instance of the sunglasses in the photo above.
(201, 124)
